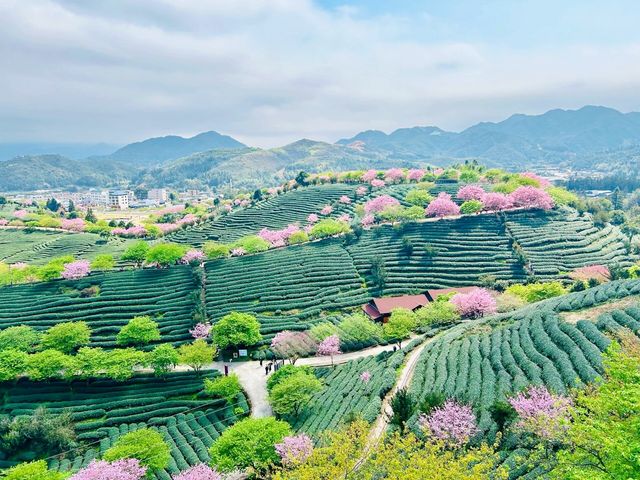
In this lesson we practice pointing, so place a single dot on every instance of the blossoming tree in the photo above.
(531, 197)
(330, 346)
(453, 423)
(476, 303)
(294, 449)
(442, 206)
(76, 270)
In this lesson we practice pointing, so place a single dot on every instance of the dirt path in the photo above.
(594, 312)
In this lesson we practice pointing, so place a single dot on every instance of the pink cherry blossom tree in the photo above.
(494, 201)
(330, 346)
(345, 217)
(326, 210)
(73, 224)
(601, 273)
(294, 449)
(531, 197)
(365, 376)
(201, 331)
(76, 270)
(21, 214)
(415, 174)
(476, 303)
(344, 199)
(376, 182)
(312, 218)
(369, 175)
(367, 220)
(471, 192)
(442, 206)
(453, 423)
(193, 257)
(393, 175)
(3, 222)
(360, 191)
(541, 413)
(125, 469)
(380, 203)
(198, 472)
(293, 345)
(542, 182)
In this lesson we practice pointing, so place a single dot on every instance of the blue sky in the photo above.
(269, 72)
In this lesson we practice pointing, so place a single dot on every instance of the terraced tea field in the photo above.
(288, 288)
(104, 410)
(558, 242)
(461, 251)
(163, 294)
(537, 347)
(39, 246)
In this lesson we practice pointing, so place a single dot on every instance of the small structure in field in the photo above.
(379, 309)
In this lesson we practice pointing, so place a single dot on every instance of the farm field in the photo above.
(39, 246)
(104, 410)
(162, 294)
(530, 346)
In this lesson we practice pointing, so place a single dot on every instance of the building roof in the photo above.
(385, 305)
(371, 310)
(436, 292)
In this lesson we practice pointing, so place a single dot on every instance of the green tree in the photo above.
(215, 250)
(12, 363)
(165, 254)
(329, 227)
(378, 272)
(227, 387)
(162, 358)
(67, 336)
(136, 253)
(103, 262)
(284, 372)
(48, 364)
(236, 329)
(52, 205)
(139, 331)
(471, 206)
(419, 197)
(54, 268)
(438, 312)
(252, 244)
(146, 445)
(37, 470)
(197, 354)
(401, 322)
(90, 216)
(603, 440)
(360, 328)
(249, 444)
(403, 407)
(119, 363)
(301, 179)
(20, 337)
(292, 393)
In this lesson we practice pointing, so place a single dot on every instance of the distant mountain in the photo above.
(35, 172)
(252, 167)
(71, 150)
(155, 151)
(555, 136)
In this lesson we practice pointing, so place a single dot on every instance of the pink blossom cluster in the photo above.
(367, 220)
(415, 174)
(76, 270)
(542, 182)
(238, 252)
(438, 171)
(344, 199)
(274, 191)
(376, 182)
(171, 210)
(326, 210)
(278, 238)
(193, 257)
(135, 231)
(3, 222)
(476, 303)
(188, 219)
(244, 202)
(531, 197)
(471, 192)
(228, 207)
(294, 449)
(201, 330)
(394, 175)
(345, 217)
(307, 229)
(126, 469)
(330, 346)
(541, 412)
(167, 227)
(442, 206)
(198, 472)
(290, 344)
(73, 224)
(452, 423)
(365, 377)
(494, 201)
(598, 272)
(21, 214)
(312, 218)
(378, 204)
(369, 175)
(360, 191)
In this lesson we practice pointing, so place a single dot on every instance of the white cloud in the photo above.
(269, 72)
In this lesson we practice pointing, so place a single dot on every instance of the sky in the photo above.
(269, 72)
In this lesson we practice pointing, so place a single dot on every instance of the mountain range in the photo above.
(588, 138)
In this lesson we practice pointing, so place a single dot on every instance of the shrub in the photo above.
(329, 227)
(136, 253)
(66, 336)
(284, 372)
(298, 237)
(471, 206)
(215, 250)
(103, 262)
(534, 292)
(419, 197)
(227, 387)
(438, 312)
(139, 331)
(33, 471)
(165, 254)
(145, 444)
(251, 244)
(360, 328)
(20, 337)
(12, 363)
(48, 364)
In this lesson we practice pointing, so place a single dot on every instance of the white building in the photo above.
(119, 199)
(158, 195)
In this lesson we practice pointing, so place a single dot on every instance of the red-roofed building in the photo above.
(379, 309)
